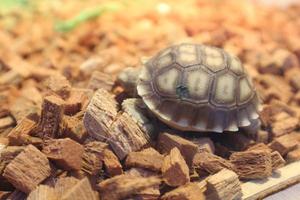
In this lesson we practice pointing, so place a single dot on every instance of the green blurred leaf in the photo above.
(86, 15)
(7, 5)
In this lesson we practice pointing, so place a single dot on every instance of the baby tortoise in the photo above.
(193, 87)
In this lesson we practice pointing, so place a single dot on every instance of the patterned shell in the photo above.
(198, 88)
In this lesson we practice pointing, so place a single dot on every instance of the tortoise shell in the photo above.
(194, 87)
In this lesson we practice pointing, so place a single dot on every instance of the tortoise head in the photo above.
(128, 80)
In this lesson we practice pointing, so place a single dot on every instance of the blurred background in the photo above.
(60, 35)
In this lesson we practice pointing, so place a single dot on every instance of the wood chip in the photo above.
(32, 94)
(146, 159)
(78, 100)
(189, 191)
(100, 80)
(43, 192)
(59, 85)
(73, 128)
(204, 144)
(174, 169)
(276, 110)
(17, 195)
(253, 164)
(18, 135)
(6, 122)
(100, 114)
(284, 144)
(8, 154)
(112, 164)
(81, 191)
(66, 153)
(122, 186)
(27, 169)
(205, 162)
(92, 64)
(23, 107)
(223, 185)
(262, 136)
(93, 157)
(11, 77)
(293, 77)
(277, 160)
(293, 155)
(4, 195)
(138, 111)
(64, 184)
(52, 112)
(260, 146)
(284, 126)
(281, 60)
(151, 193)
(125, 136)
(167, 141)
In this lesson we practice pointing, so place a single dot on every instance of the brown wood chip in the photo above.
(43, 192)
(190, 191)
(204, 144)
(174, 169)
(78, 100)
(64, 184)
(59, 85)
(73, 128)
(284, 144)
(277, 160)
(28, 169)
(112, 164)
(18, 135)
(205, 162)
(93, 157)
(101, 80)
(100, 114)
(122, 186)
(81, 191)
(66, 153)
(293, 155)
(188, 149)
(52, 112)
(151, 193)
(147, 159)
(8, 154)
(124, 136)
(253, 164)
(6, 122)
(284, 126)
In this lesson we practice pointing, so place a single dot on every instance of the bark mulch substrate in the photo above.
(66, 133)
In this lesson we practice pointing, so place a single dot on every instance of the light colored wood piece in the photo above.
(43, 192)
(81, 191)
(284, 177)
(122, 186)
(223, 185)
(100, 114)
(190, 191)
